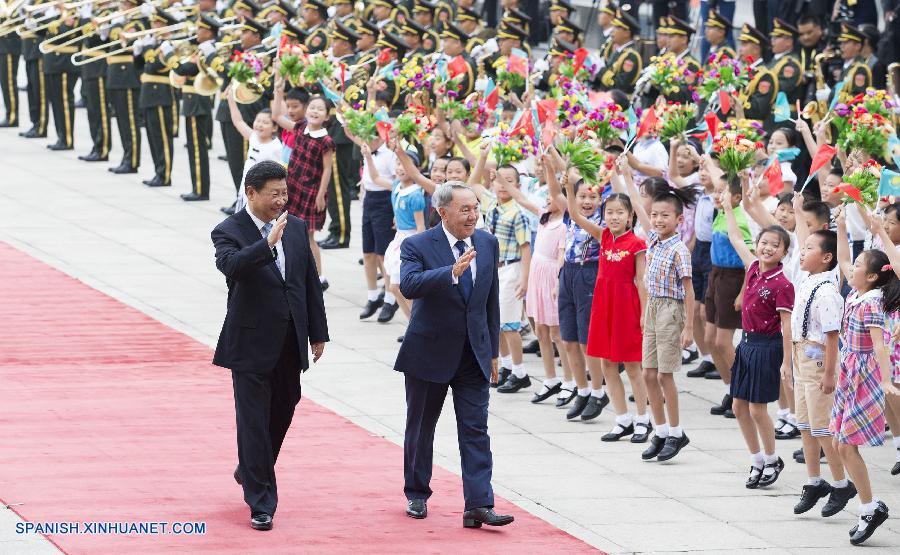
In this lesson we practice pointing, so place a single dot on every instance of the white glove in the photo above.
(331, 11)
(541, 66)
(86, 11)
(147, 10)
(476, 52)
(222, 5)
(823, 94)
(207, 47)
(30, 24)
(166, 47)
(51, 11)
(480, 84)
(490, 46)
(120, 20)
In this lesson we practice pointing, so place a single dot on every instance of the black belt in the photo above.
(503, 263)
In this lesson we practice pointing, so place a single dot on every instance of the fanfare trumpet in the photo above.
(101, 52)
(82, 30)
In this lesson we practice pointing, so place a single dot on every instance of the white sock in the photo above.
(707, 358)
(599, 393)
(550, 382)
(642, 418)
(771, 459)
(662, 430)
(757, 460)
(624, 419)
(584, 391)
(567, 388)
(676, 431)
(814, 481)
(518, 370)
(322, 279)
(389, 298)
(868, 508)
(792, 419)
(506, 361)
(372, 294)
(897, 440)
(841, 483)
(783, 413)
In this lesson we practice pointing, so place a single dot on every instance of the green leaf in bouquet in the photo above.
(582, 156)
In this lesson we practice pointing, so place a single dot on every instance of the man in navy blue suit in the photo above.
(450, 272)
(275, 308)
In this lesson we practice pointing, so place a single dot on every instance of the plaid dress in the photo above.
(304, 174)
(857, 417)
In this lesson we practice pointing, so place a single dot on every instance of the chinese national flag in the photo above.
(822, 157)
(712, 124)
(517, 64)
(546, 110)
(773, 176)
(457, 66)
(725, 102)
(492, 98)
(649, 122)
(850, 191)
(524, 126)
(580, 56)
(384, 130)
(548, 133)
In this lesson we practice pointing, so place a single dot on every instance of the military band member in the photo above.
(156, 100)
(93, 92)
(454, 42)
(470, 23)
(623, 63)
(244, 10)
(123, 87)
(854, 73)
(562, 9)
(876, 66)
(344, 13)
(605, 16)
(678, 40)
(279, 12)
(196, 108)
(36, 84)
(382, 15)
(517, 17)
(568, 31)
(414, 36)
(812, 41)
(345, 164)
(395, 49)
(716, 31)
(315, 15)
(424, 15)
(10, 51)
(61, 76)
(509, 37)
(759, 96)
(784, 65)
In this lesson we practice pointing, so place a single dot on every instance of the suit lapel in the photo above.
(252, 235)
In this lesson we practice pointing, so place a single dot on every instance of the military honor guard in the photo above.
(623, 63)
(716, 31)
(315, 16)
(785, 65)
(470, 23)
(123, 86)
(36, 86)
(424, 15)
(61, 76)
(10, 52)
(759, 96)
(94, 94)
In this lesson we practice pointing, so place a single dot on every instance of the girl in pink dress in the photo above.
(540, 301)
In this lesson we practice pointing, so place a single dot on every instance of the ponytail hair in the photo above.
(661, 191)
(877, 262)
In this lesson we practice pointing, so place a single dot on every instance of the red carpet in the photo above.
(109, 415)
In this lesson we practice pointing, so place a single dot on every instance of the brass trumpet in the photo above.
(83, 30)
(99, 52)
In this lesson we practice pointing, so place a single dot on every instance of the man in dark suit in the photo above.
(274, 308)
(450, 273)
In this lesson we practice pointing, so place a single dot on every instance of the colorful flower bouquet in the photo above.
(736, 148)
(291, 62)
(724, 74)
(464, 111)
(512, 147)
(415, 76)
(585, 157)
(245, 67)
(414, 124)
(510, 81)
(674, 119)
(606, 122)
(862, 185)
(864, 123)
(317, 67)
(668, 74)
(567, 69)
(362, 124)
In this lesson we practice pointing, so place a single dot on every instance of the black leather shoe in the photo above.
(895, 469)
(416, 508)
(503, 374)
(712, 375)
(331, 242)
(513, 384)
(753, 480)
(474, 518)
(594, 407)
(33, 134)
(811, 495)
(5, 123)
(577, 407)
(673, 446)
(617, 435)
(544, 395)
(692, 356)
(124, 168)
(872, 521)
(641, 432)
(531, 347)
(237, 475)
(719, 410)
(59, 145)
(788, 431)
(190, 197)
(387, 312)
(838, 499)
(158, 183)
(729, 414)
(767, 479)
(93, 157)
(798, 456)
(261, 521)
(701, 370)
(563, 401)
(656, 445)
(370, 309)
(325, 285)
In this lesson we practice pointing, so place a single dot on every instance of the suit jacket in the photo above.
(261, 303)
(441, 319)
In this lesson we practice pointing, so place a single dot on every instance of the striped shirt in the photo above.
(668, 262)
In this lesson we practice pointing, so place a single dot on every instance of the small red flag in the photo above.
(712, 124)
(517, 64)
(457, 66)
(725, 102)
(384, 56)
(525, 125)
(546, 110)
(822, 157)
(384, 130)
(850, 191)
(649, 122)
(580, 56)
(773, 176)
(548, 133)
(492, 99)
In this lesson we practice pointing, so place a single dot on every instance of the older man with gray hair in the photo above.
(450, 274)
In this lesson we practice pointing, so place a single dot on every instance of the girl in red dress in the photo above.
(614, 334)
(309, 172)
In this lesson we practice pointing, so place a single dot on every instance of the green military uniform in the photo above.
(123, 86)
(623, 63)
(759, 96)
(394, 43)
(465, 80)
(856, 73)
(61, 76)
(719, 51)
(10, 51)
(786, 67)
(36, 87)
(317, 39)
(93, 91)
(677, 26)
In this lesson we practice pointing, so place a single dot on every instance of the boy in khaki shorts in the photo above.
(816, 319)
(666, 331)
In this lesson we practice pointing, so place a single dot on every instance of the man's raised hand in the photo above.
(278, 229)
(463, 263)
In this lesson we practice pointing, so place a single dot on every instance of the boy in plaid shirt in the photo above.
(505, 220)
(666, 328)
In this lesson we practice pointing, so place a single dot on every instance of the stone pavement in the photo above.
(152, 251)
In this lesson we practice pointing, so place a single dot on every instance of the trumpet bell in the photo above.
(247, 93)
(205, 85)
(811, 111)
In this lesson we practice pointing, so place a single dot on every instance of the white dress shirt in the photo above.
(385, 161)
(282, 259)
(452, 241)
